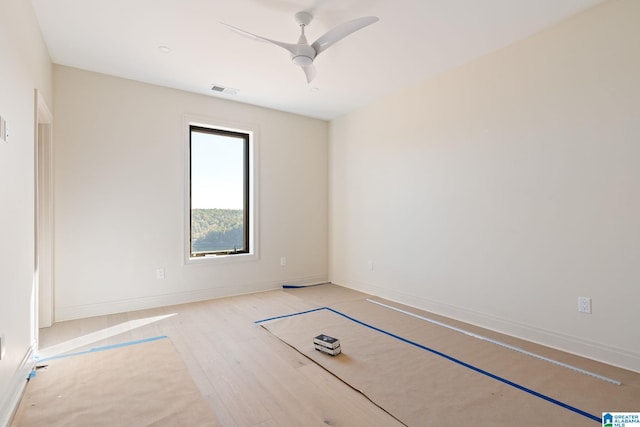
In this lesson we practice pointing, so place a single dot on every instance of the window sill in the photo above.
(218, 259)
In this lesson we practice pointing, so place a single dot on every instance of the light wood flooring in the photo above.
(249, 377)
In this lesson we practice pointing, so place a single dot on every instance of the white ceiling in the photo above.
(413, 41)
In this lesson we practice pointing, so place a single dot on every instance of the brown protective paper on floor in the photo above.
(423, 389)
(144, 384)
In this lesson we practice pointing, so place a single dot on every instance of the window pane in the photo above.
(218, 191)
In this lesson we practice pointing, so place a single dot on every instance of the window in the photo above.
(220, 217)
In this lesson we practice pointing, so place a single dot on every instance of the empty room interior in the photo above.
(307, 213)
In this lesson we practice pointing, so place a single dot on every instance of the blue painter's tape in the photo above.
(290, 315)
(106, 347)
(450, 358)
(303, 286)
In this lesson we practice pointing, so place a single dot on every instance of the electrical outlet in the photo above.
(584, 305)
(160, 273)
(283, 261)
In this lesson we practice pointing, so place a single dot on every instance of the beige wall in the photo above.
(24, 67)
(501, 191)
(120, 197)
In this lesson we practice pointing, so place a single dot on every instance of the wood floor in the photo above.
(249, 377)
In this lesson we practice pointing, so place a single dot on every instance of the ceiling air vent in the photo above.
(225, 90)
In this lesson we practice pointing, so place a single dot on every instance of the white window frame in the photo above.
(254, 232)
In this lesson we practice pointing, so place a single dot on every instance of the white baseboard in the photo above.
(580, 347)
(111, 307)
(11, 398)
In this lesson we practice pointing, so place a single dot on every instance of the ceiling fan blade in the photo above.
(341, 31)
(291, 47)
(309, 71)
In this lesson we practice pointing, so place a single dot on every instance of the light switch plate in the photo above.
(4, 133)
(3, 345)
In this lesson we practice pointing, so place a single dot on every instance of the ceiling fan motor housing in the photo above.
(304, 55)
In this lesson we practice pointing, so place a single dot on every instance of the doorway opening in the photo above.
(43, 280)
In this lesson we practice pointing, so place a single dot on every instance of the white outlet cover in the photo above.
(584, 305)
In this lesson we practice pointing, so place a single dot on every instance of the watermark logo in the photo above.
(620, 419)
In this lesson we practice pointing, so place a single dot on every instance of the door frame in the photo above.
(43, 305)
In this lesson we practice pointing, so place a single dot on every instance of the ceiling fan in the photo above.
(303, 53)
